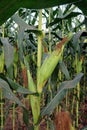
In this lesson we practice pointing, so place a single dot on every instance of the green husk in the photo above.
(50, 62)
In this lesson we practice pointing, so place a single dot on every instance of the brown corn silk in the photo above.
(24, 75)
(60, 44)
(63, 121)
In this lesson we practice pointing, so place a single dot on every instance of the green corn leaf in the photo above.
(32, 86)
(26, 116)
(61, 93)
(8, 8)
(18, 88)
(21, 23)
(8, 52)
(50, 62)
(76, 38)
(7, 92)
(67, 16)
(10, 71)
(64, 70)
(24, 26)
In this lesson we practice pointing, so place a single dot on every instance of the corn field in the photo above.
(43, 65)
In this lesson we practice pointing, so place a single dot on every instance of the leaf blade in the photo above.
(7, 92)
(60, 95)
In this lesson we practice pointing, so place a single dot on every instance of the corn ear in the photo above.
(50, 62)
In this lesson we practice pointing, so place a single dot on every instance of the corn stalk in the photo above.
(1, 71)
(13, 115)
(78, 69)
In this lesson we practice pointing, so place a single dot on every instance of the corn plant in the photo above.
(29, 45)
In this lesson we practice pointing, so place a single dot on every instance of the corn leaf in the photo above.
(76, 38)
(67, 16)
(61, 93)
(21, 23)
(8, 52)
(18, 88)
(8, 8)
(32, 86)
(7, 92)
(64, 70)
(24, 26)
(26, 116)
